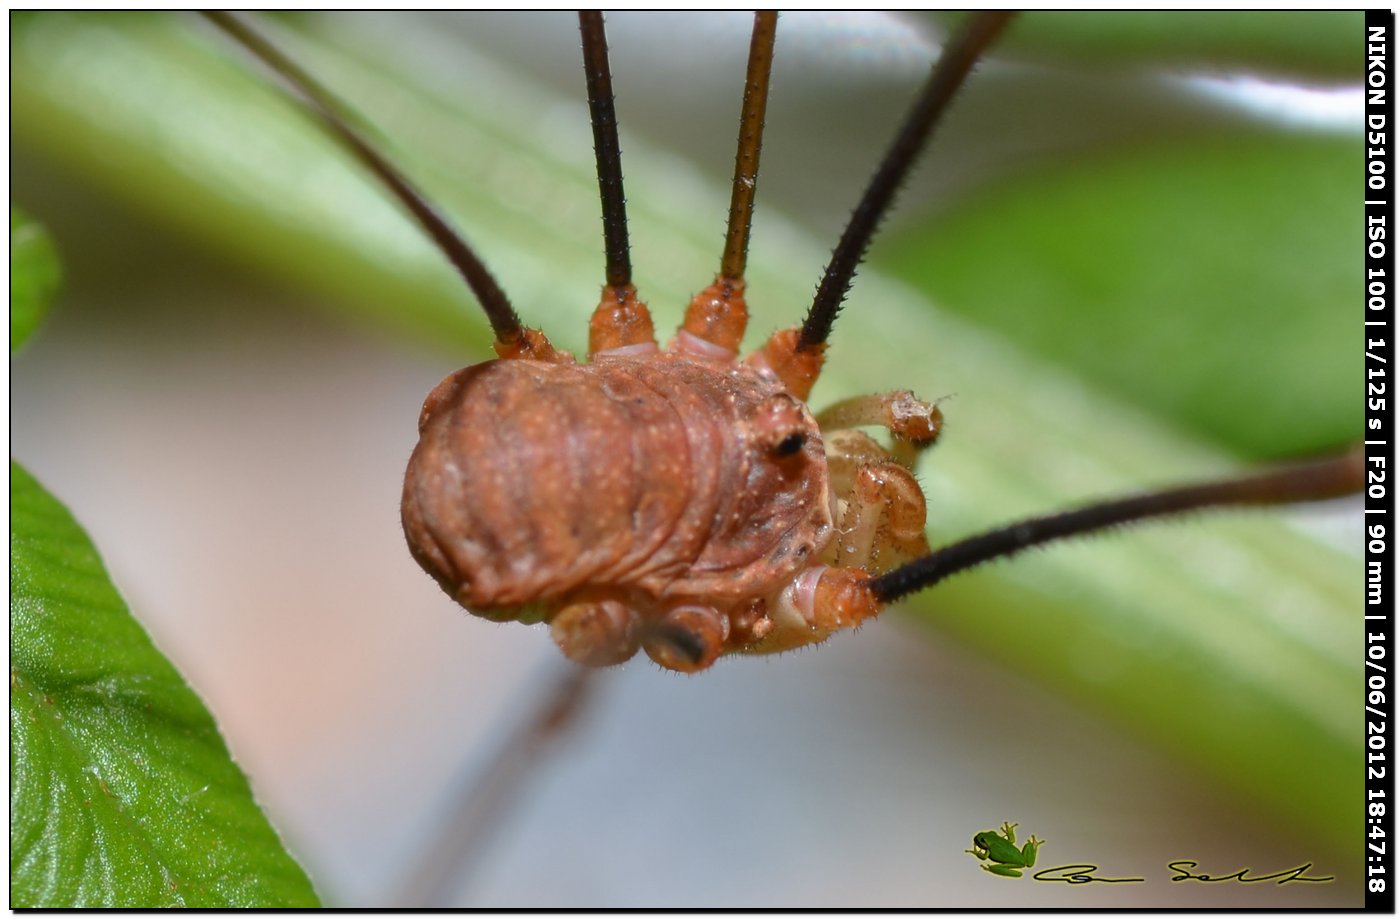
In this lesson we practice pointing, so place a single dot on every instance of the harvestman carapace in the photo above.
(682, 500)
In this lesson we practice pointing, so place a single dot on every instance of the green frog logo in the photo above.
(1000, 850)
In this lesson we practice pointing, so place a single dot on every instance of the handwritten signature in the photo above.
(1243, 876)
(1080, 874)
(1084, 874)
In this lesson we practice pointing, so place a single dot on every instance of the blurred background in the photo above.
(1140, 250)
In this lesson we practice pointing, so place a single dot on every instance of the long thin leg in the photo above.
(830, 598)
(505, 323)
(473, 814)
(1318, 480)
(622, 323)
(794, 356)
(717, 316)
(760, 69)
(952, 68)
(598, 77)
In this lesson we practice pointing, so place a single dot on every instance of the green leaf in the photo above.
(34, 276)
(122, 793)
(1146, 269)
(1306, 44)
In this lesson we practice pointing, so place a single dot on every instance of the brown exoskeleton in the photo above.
(693, 507)
(678, 500)
(681, 500)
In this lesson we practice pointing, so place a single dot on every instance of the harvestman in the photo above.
(681, 500)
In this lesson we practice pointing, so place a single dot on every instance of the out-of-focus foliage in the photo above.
(122, 793)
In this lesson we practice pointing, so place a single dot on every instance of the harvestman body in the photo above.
(681, 500)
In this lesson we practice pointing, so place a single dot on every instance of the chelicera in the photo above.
(683, 500)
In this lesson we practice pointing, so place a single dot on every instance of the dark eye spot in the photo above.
(789, 444)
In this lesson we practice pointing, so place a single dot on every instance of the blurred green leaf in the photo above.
(1146, 270)
(1300, 44)
(34, 276)
(122, 793)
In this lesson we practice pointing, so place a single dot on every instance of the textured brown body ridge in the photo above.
(647, 480)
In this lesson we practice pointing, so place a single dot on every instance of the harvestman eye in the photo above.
(790, 445)
(612, 496)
